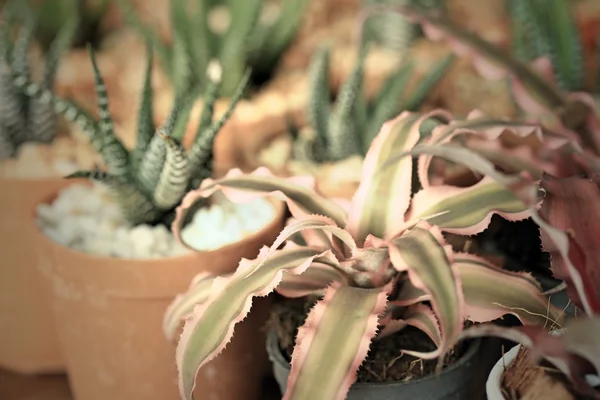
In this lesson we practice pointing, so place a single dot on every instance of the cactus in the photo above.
(23, 119)
(149, 181)
(248, 41)
(348, 126)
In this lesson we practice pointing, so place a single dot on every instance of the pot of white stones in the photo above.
(112, 284)
(29, 343)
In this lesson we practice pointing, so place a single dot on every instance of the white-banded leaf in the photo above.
(174, 178)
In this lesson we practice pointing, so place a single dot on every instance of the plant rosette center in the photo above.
(85, 218)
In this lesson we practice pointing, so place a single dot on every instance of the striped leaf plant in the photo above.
(23, 119)
(149, 181)
(548, 88)
(347, 127)
(248, 39)
(378, 263)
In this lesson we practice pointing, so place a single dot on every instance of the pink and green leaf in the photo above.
(570, 222)
(211, 326)
(424, 254)
(183, 305)
(491, 292)
(334, 342)
(383, 196)
(467, 211)
(314, 280)
(297, 192)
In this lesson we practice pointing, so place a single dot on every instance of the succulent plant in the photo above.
(379, 264)
(392, 29)
(536, 88)
(247, 41)
(23, 119)
(350, 127)
(150, 180)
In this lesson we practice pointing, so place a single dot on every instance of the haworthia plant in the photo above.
(150, 180)
(348, 126)
(378, 266)
(248, 39)
(393, 30)
(548, 29)
(23, 119)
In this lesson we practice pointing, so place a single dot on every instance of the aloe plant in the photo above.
(348, 126)
(22, 119)
(379, 264)
(247, 41)
(150, 180)
(535, 89)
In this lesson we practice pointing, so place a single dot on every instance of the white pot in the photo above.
(493, 386)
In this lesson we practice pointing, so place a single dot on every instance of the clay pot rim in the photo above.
(33, 180)
(280, 209)
(473, 348)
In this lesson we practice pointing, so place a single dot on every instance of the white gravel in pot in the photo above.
(85, 218)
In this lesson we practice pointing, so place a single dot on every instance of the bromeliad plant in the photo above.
(350, 127)
(23, 119)
(542, 91)
(380, 263)
(251, 38)
(569, 221)
(150, 180)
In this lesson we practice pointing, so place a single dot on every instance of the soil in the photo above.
(384, 363)
(523, 380)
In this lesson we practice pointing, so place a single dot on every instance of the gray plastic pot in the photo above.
(454, 383)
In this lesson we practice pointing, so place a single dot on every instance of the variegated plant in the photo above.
(249, 33)
(350, 127)
(542, 91)
(150, 180)
(23, 119)
(380, 263)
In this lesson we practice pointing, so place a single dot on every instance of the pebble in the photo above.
(84, 218)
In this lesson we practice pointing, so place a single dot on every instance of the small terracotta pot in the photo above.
(29, 343)
(109, 314)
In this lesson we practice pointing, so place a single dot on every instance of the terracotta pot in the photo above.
(109, 314)
(29, 343)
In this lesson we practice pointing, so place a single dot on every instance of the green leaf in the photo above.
(343, 141)
(113, 152)
(427, 83)
(320, 356)
(145, 122)
(174, 178)
(319, 108)
(202, 151)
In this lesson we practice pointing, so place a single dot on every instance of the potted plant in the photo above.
(376, 266)
(34, 154)
(114, 266)
(563, 363)
(239, 34)
(333, 147)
